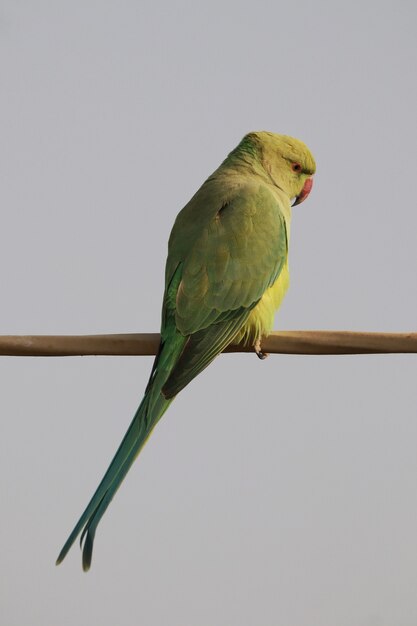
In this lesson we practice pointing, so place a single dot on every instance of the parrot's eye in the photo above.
(296, 167)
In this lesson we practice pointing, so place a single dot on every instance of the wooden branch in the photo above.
(284, 342)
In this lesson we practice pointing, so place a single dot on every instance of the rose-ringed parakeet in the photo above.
(226, 275)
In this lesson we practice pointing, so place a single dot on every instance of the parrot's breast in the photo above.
(261, 318)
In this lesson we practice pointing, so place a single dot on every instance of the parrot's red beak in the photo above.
(304, 192)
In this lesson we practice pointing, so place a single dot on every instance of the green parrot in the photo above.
(226, 275)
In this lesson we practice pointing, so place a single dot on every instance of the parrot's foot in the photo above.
(261, 355)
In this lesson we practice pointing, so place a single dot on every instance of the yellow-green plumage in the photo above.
(261, 318)
(226, 275)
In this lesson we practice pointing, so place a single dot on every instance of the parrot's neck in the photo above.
(242, 161)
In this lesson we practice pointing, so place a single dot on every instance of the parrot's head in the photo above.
(287, 161)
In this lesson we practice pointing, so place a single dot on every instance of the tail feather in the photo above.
(89, 531)
(112, 479)
(151, 409)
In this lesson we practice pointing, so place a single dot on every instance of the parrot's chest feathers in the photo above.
(261, 318)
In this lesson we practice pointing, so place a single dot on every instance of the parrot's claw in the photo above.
(261, 355)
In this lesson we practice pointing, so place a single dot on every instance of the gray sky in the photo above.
(274, 493)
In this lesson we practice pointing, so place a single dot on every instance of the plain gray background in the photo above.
(273, 493)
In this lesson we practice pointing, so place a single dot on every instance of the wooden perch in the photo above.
(283, 342)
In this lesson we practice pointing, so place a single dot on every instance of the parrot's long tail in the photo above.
(151, 409)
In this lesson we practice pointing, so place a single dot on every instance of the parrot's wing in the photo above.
(238, 253)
